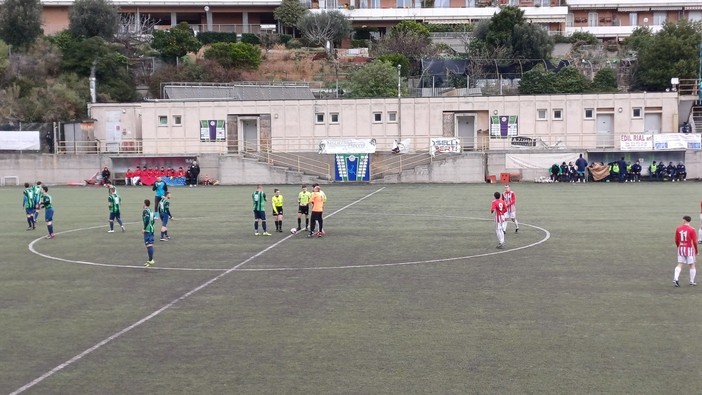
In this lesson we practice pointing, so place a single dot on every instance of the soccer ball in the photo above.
(293, 230)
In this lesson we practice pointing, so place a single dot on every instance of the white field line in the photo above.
(207, 283)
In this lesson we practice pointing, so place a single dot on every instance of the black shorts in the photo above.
(303, 210)
(280, 211)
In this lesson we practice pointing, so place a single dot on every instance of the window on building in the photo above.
(558, 113)
(442, 4)
(541, 114)
(589, 113)
(404, 3)
(636, 112)
(334, 117)
(392, 116)
(659, 18)
(319, 118)
(162, 120)
(633, 19)
(178, 120)
(377, 117)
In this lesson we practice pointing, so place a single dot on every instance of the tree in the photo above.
(537, 81)
(134, 33)
(605, 81)
(397, 59)
(114, 83)
(672, 52)
(288, 13)
(570, 80)
(323, 27)
(376, 79)
(20, 22)
(93, 18)
(410, 39)
(176, 42)
(235, 55)
(502, 25)
(531, 41)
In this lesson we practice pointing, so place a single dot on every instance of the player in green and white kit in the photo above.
(38, 192)
(48, 205)
(259, 209)
(148, 218)
(114, 203)
(29, 205)
(164, 212)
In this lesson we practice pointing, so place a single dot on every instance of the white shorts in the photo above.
(513, 214)
(686, 259)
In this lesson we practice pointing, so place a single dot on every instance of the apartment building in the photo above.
(603, 18)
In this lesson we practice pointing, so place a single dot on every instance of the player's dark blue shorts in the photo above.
(280, 211)
(303, 210)
(260, 215)
(164, 219)
(29, 211)
(114, 215)
(148, 238)
(49, 214)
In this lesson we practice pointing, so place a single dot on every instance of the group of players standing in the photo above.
(305, 199)
(34, 198)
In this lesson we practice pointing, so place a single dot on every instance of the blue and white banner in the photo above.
(347, 146)
(352, 167)
(677, 141)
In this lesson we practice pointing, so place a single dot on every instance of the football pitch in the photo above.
(405, 294)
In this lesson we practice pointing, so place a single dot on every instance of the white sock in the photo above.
(693, 273)
(677, 273)
(516, 223)
(500, 234)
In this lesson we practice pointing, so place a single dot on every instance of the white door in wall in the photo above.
(113, 132)
(248, 134)
(465, 131)
(605, 131)
(652, 123)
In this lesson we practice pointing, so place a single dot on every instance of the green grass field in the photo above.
(406, 294)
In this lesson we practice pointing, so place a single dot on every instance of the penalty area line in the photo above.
(172, 303)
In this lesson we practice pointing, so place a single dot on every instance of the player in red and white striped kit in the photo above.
(686, 242)
(500, 209)
(510, 199)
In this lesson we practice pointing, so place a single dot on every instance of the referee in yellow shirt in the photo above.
(303, 200)
(278, 210)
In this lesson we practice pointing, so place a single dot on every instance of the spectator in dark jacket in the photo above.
(105, 176)
(635, 174)
(194, 173)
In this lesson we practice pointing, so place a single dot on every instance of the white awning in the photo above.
(633, 9)
(666, 8)
(693, 7)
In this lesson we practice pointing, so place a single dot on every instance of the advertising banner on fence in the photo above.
(212, 130)
(504, 126)
(523, 142)
(352, 167)
(444, 145)
(636, 142)
(347, 146)
(677, 141)
(19, 141)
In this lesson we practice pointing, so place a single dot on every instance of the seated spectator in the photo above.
(681, 172)
(188, 177)
(105, 176)
(671, 171)
(652, 171)
(635, 172)
(613, 171)
(555, 170)
(660, 171)
(572, 173)
(209, 181)
(128, 176)
(136, 176)
(180, 172)
(162, 172)
(563, 173)
(170, 173)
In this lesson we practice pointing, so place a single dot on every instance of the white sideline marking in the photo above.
(164, 308)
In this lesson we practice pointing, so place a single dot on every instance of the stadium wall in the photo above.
(467, 167)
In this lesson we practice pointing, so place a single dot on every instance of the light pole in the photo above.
(399, 103)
